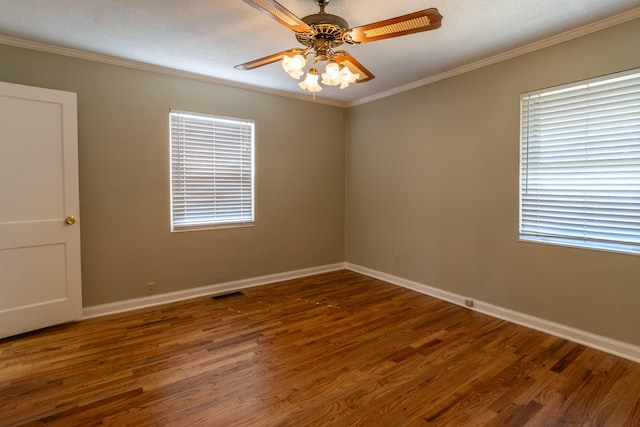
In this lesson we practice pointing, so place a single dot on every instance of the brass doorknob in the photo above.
(70, 220)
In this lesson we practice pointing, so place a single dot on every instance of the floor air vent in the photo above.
(226, 296)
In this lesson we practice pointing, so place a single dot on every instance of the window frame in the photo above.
(630, 241)
(232, 147)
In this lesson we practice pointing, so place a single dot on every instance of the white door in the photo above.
(40, 282)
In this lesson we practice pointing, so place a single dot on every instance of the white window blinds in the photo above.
(580, 164)
(211, 171)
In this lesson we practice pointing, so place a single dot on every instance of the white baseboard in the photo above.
(152, 300)
(617, 348)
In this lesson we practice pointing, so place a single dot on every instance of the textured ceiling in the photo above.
(209, 37)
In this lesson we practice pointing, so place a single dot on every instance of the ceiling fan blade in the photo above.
(342, 57)
(278, 12)
(423, 20)
(268, 59)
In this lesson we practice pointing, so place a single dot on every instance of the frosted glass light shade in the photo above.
(348, 77)
(311, 82)
(332, 76)
(294, 65)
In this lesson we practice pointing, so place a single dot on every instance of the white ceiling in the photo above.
(209, 37)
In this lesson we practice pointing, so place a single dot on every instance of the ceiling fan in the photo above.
(320, 33)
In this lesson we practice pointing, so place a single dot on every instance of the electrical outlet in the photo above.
(150, 288)
(396, 259)
(468, 302)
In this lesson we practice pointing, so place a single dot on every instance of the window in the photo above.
(580, 164)
(211, 171)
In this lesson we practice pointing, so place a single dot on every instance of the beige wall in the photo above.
(124, 183)
(432, 176)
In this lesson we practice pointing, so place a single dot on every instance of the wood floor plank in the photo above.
(334, 349)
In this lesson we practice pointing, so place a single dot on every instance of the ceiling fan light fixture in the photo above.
(322, 32)
(294, 65)
(338, 75)
(310, 83)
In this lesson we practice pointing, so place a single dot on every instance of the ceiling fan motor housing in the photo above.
(326, 27)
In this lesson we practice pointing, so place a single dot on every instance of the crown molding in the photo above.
(513, 53)
(143, 66)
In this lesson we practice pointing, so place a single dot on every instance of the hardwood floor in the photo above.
(332, 349)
